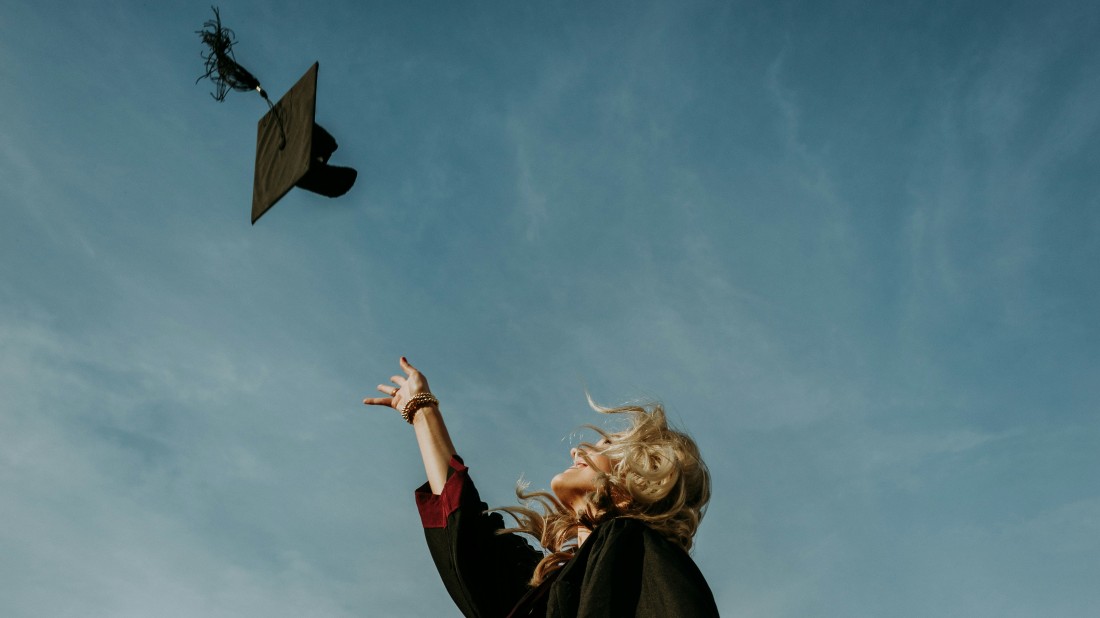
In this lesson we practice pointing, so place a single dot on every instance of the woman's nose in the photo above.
(573, 452)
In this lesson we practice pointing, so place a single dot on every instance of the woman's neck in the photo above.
(582, 535)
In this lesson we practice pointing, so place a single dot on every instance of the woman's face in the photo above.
(571, 485)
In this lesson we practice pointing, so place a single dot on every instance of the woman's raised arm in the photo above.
(435, 444)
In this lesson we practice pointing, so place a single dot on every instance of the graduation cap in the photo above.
(292, 150)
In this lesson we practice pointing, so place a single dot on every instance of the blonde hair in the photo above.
(657, 476)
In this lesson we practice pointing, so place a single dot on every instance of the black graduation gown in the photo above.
(624, 568)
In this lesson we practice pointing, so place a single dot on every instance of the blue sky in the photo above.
(852, 247)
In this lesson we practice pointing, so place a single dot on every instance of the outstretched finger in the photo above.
(379, 401)
(398, 380)
(406, 367)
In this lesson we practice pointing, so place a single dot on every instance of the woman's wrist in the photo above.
(416, 403)
(424, 414)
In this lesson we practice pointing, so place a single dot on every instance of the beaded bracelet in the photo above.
(408, 411)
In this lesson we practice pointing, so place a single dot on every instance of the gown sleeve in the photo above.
(485, 573)
(633, 571)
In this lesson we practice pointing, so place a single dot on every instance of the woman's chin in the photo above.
(563, 489)
(557, 484)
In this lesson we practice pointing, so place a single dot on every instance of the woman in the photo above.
(616, 531)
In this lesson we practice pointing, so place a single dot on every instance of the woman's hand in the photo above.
(435, 444)
(402, 389)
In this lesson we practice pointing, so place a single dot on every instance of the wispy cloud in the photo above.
(532, 201)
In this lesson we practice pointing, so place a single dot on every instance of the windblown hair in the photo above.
(657, 476)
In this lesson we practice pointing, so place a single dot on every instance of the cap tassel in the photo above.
(223, 69)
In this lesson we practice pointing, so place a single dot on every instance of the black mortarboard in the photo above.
(293, 151)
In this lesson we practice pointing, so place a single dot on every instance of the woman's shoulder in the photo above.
(633, 528)
(631, 535)
(669, 580)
